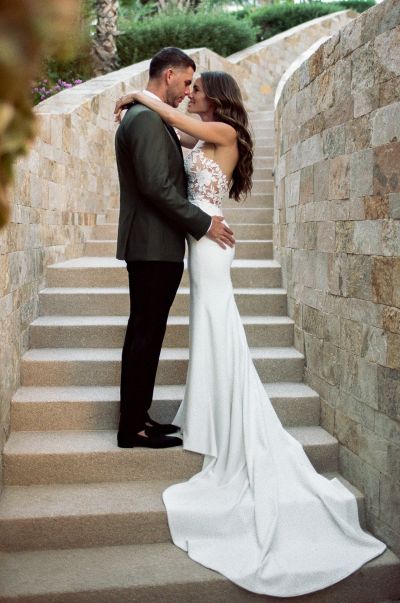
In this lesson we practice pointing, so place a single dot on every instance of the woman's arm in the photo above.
(187, 141)
(211, 131)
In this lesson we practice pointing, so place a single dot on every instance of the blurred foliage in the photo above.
(358, 5)
(28, 30)
(218, 31)
(77, 65)
(273, 19)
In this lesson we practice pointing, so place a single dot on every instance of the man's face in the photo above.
(178, 85)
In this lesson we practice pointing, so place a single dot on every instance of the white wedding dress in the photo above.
(258, 512)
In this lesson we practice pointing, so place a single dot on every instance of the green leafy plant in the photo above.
(358, 5)
(220, 32)
(273, 19)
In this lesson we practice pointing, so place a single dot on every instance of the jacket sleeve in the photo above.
(147, 139)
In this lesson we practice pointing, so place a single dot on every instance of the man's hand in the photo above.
(121, 104)
(220, 233)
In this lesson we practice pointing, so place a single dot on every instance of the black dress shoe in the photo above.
(153, 440)
(164, 428)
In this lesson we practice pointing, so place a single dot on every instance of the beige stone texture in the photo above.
(345, 139)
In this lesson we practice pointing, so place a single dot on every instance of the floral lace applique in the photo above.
(206, 180)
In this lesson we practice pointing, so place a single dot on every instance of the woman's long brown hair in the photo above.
(222, 90)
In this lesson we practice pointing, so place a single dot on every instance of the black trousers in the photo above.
(152, 289)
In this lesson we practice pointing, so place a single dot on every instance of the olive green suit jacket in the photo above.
(155, 214)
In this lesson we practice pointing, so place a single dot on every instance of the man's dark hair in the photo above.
(168, 58)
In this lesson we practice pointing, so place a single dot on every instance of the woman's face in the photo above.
(198, 102)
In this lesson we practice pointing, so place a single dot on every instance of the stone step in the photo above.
(263, 130)
(261, 116)
(59, 408)
(265, 140)
(109, 331)
(254, 200)
(263, 160)
(67, 457)
(109, 272)
(261, 186)
(87, 515)
(114, 301)
(254, 249)
(101, 366)
(265, 148)
(154, 573)
(233, 215)
(242, 231)
(262, 174)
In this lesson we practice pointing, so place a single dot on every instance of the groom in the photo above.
(155, 216)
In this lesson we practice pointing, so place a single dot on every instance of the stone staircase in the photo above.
(82, 520)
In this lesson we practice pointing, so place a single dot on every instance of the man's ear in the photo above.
(168, 75)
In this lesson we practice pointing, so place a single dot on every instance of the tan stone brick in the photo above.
(391, 319)
(352, 335)
(347, 431)
(376, 207)
(396, 282)
(327, 420)
(331, 50)
(364, 68)
(292, 189)
(394, 205)
(361, 173)
(358, 134)
(315, 63)
(390, 500)
(389, 91)
(387, 50)
(387, 428)
(306, 184)
(350, 38)
(375, 345)
(359, 378)
(326, 236)
(356, 410)
(389, 392)
(339, 185)
(382, 280)
(340, 113)
(386, 125)
(311, 151)
(386, 168)
(362, 475)
(390, 238)
(321, 181)
(344, 236)
(374, 449)
(393, 351)
(315, 125)
(323, 90)
(368, 238)
(356, 274)
(366, 101)
(334, 140)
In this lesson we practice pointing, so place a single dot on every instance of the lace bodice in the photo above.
(206, 181)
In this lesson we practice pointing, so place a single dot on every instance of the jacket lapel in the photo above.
(175, 138)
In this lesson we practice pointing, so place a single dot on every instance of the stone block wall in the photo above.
(337, 235)
(266, 61)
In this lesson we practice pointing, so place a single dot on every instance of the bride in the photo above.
(258, 512)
